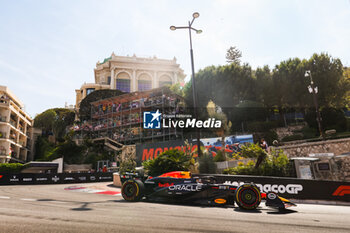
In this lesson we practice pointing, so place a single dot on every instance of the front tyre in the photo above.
(133, 190)
(247, 196)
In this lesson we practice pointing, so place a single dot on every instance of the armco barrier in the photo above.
(60, 178)
(292, 187)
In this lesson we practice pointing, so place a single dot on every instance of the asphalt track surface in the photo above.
(51, 208)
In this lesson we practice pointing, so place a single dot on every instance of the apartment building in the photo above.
(15, 129)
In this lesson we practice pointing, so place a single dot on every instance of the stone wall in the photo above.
(339, 164)
(128, 152)
(288, 131)
(337, 147)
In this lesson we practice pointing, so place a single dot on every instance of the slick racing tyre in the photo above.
(247, 196)
(133, 190)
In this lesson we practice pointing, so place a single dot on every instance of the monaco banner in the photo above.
(233, 144)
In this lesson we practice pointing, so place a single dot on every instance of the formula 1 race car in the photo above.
(182, 187)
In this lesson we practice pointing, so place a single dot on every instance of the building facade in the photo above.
(15, 129)
(131, 74)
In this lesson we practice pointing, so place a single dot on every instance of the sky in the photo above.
(50, 48)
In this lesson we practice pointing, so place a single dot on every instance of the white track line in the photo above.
(27, 199)
(3, 197)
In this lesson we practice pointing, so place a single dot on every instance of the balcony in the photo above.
(3, 135)
(3, 119)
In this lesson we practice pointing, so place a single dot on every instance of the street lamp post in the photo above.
(314, 90)
(190, 28)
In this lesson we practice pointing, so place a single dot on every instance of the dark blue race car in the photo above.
(182, 187)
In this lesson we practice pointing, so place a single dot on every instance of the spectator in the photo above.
(263, 144)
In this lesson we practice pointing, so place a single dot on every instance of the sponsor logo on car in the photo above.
(27, 179)
(220, 201)
(186, 187)
(271, 196)
(277, 188)
(165, 184)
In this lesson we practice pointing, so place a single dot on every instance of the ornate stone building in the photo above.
(130, 74)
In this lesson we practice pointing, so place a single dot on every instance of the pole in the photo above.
(318, 115)
(194, 93)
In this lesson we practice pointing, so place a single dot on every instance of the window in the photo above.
(89, 90)
(109, 80)
(144, 85)
(165, 80)
(164, 83)
(123, 85)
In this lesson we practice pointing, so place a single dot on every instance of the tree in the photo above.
(215, 112)
(233, 55)
(55, 121)
(168, 161)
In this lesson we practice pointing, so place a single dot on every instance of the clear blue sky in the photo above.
(50, 48)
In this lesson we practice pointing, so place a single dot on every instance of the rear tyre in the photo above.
(247, 196)
(133, 190)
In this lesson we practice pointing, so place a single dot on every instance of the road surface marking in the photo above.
(89, 190)
(3, 197)
(109, 193)
(28, 199)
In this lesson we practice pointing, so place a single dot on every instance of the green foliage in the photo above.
(54, 121)
(171, 160)
(275, 164)
(177, 89)
(233, 55)
(252, 151)
(207, 164)
(220, 156)
(248, 95)
(128, 165)
(269, 136)
(332, 118)
(73, 154)
(43, 148)
(85, 105)
(309, 132)
(45, 119)
(261, 126)
(11, 167)
(293, 137)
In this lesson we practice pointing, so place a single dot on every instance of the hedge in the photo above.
(11, 167)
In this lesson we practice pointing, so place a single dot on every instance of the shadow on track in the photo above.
(284, 211)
